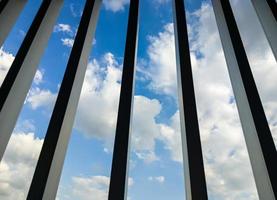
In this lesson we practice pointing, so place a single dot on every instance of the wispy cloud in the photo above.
(65, 28)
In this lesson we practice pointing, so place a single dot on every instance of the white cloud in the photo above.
(84, 188)
(115, 5)
(159, 179)
(161, 52)
(40, 98)
(26, 126)
(171, 136)
(75, 10)
(6, 60)
(145, 129)
(38, 77)
(65, 28)
(94, 41)
(100, 92)
(67, 42)
(18, 164)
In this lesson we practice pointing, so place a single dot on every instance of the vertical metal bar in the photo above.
(9, 12)
(191, 144)
(259, 141)
(16, 84)
(273, 6)
(268, 21)
(119, 172)
(48, 170)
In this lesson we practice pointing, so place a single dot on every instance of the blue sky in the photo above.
(156, 170)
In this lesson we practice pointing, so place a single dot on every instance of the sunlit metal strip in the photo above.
(259, 141)
(268, 21)
(9, 12)
(48, 170)
(16, 84)
(195, 181)
(119, 172)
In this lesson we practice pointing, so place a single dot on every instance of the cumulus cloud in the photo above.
(261, 59)
(222, 138)
(115, 5)
(171, 136)
(38, 97)
(145, 129)
(67, 42)
(100, 91)
(84, 188)
(221, 134)
(162, 70)
(18, 165)
(6, 60)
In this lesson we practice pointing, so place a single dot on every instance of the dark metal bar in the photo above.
(3, 4)
(9, 12)
(192, 151)
(119, 172)
(258, 137)
(48, 170)
(19, 78)
(273, 6)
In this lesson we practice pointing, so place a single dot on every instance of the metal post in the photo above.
(273, 6)
(195, 182)
(259, 141)
(119, 172)
(48, 170)
(268, 21)
(19, 78)
(9, 12)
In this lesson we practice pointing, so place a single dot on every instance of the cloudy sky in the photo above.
(156, 169)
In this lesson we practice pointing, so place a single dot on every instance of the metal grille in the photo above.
(260, 145)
